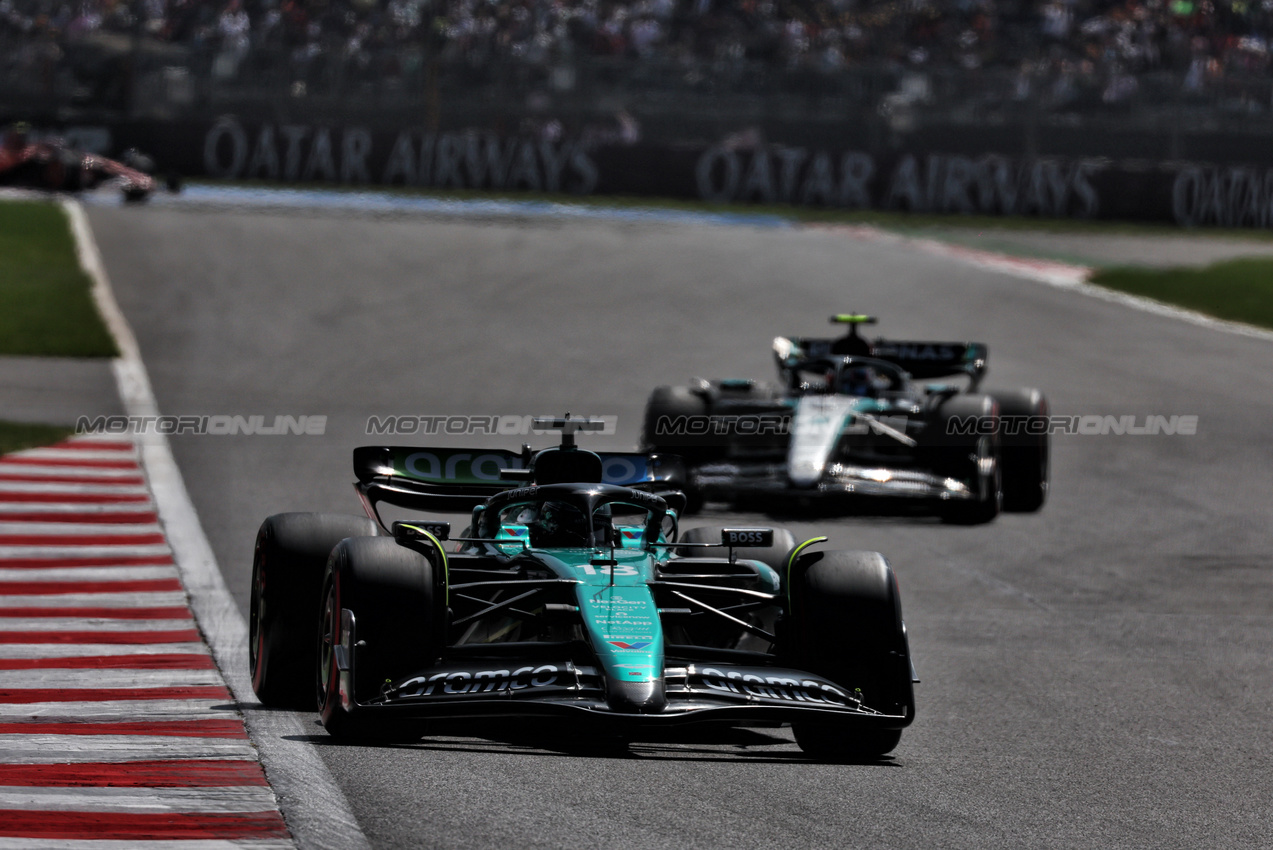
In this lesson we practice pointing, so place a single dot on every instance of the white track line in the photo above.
(227, 799)
(108, 678)
(56, 530)
(41, 487)
(316, 810)
(65, 749)
(82, 456)
(85, 650)
(167, 709)
(125, 454)
(105, 509)
(85, 573)
(83, 551)
(105, 844)
(95, 600)
(104, 476)
(89, 624)
(1060, 275)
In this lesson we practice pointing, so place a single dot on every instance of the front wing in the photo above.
(696, 693)
(730, 478)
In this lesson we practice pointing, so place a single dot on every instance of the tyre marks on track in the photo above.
(116, 728)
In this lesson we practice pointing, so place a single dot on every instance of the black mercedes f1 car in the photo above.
(848, 419)
(572, 594)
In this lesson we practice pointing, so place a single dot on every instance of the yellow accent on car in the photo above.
(791, 560)
(437, 544)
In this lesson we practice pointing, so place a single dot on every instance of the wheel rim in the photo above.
(987, 470)
(256, 614)
(328, 637)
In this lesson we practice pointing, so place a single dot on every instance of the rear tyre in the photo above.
(1024, 449)
(667, 405)
(846, 625)
(395, 599)
(287, 577)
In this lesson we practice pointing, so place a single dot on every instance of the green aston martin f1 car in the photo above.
(574, 594)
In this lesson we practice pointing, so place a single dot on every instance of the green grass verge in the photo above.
(45, 306)
(15, 436)
(1237, 290)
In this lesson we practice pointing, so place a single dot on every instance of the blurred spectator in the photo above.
(233, 27)
(1053, 48)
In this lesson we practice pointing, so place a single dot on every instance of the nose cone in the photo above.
(646, 697)
(805, 472)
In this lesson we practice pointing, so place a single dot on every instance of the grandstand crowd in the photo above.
(1200, 40)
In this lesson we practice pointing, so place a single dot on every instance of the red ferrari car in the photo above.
(51, 165)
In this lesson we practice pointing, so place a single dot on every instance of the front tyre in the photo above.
(981, 468)
(381, 620)
(846, 625)
(827, 742)
(287, 576)
(1024, 449)
(965, 447)
(667, 413)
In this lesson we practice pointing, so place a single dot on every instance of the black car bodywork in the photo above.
(848, 419)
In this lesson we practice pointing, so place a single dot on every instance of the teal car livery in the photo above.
(573, 593)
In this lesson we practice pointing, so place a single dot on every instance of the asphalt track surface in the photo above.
(1095, 675)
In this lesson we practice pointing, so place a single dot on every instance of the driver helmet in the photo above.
(559, 525)
(858, 380)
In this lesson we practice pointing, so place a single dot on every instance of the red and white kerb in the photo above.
(116, 729)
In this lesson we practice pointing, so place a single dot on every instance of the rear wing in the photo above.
(449, 479)
(935, 359)
(923, 359)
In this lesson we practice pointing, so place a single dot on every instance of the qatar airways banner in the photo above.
(1189, 194)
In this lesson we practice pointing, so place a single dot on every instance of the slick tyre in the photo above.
(666, 405)
(846, 624)
(824, 741)
(972, 458)
(287, 577)
(774, 557)
(382, 610)
(665, 428)
(669, 405)
(1024, 449)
